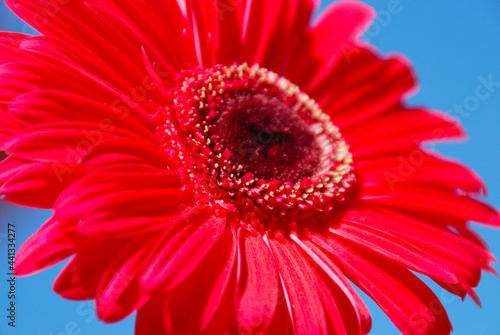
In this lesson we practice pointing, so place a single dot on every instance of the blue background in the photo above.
(451, 44)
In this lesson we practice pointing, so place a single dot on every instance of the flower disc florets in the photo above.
(250, 141)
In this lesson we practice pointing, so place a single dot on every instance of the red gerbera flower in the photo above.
(225, 166)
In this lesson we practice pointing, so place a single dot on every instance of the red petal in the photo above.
(16, 78)
(203, 19)
(41, 106)
(9, 47)
(419, 168)
(370, 86)
(8, 126)
(217, 26)
(107, 156)
(117, 162)
(83, 64)
(408, 302)
(224, 318)
(150, 318)
(165, 40)
(46, 247)
(84, 193)
(396, 250)
(431, 202)
(216, 303)
(337, 26)
(86, 30)
(26, 182)
(209, 285)
(281, 323)
(62, 141)
(123, 214)
(355, 315)
(81, 275)
(175, 257)
(58, 66)
(288, 39)
(400, 128)
(439, 244)
(259, 22)
(257, 284)
(303, 299)
(118, 293)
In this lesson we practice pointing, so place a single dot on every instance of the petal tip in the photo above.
(495, 219)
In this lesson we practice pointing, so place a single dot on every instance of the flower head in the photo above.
(228, 166)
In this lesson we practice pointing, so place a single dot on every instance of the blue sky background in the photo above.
(451, 44)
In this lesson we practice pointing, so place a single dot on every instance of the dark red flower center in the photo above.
(245, 139)
(267, 138)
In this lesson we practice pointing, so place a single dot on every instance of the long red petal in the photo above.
(176, 257)
(297, 277)
(408, 302)
(257, 284)
(46, 247)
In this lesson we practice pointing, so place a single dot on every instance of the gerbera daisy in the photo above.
(229, 166)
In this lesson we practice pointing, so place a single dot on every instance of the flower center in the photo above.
(267, 138)
(247, 140)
